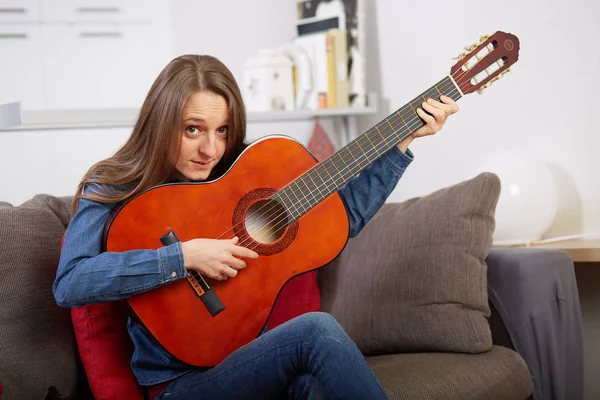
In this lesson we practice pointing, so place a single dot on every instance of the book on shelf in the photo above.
(328, 60)
(338, 17)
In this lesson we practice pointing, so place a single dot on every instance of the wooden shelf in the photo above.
(580, 250)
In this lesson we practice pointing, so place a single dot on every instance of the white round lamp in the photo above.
(528, 198)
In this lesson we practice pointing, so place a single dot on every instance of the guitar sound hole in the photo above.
(266, 221)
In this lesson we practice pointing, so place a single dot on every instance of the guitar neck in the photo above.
(312, 187)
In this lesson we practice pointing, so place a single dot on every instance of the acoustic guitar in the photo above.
(281, 203)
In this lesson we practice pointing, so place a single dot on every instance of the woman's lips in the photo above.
(201, 164)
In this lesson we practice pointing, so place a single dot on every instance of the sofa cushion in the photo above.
(415, 278)
(38, 347)
(105, 349)
(498, 374)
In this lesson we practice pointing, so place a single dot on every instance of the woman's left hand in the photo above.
(438, 113)
(433, 123)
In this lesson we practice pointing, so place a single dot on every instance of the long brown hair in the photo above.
(148, 157)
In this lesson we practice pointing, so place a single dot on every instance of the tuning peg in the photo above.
(472, 47)
(506, 71)
(461, 56)
(481, 89)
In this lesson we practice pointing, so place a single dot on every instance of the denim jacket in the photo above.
(87, 275)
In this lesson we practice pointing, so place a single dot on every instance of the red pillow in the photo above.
(105, 350)
(300, 295)
(105, 347)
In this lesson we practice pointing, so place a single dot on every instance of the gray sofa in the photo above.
(438, 313)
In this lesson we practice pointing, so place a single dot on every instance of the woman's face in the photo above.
(204, 135)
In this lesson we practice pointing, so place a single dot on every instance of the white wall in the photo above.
(548, 104)
(51, 161)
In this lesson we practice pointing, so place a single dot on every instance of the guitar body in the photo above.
(174, 313)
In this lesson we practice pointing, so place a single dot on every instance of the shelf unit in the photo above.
(16, 119)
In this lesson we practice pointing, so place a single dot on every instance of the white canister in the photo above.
(268, 82)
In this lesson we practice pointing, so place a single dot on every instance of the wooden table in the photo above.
(581, 250)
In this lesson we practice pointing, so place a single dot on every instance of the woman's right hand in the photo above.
(215, 258)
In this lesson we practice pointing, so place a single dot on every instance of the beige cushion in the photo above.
(498, 374)
(38, 350)
(415, 278)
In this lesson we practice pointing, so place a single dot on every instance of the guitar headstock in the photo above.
(485, 61)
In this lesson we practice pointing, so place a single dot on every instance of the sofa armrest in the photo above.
(535, 294)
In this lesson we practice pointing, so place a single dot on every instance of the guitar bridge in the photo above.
(196, 285)
(210, 299)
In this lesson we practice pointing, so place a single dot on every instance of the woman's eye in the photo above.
(192, 129)
(223, 130)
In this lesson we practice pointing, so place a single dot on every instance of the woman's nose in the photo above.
(207, 146)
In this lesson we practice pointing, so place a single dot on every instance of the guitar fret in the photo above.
(361, 149)
(431, 93)
(393, 130)
(327, 170)
(298, 201)
(291, 202)
(342, 158)
(362, 163)
(308, 189)
(316, 186)
(374, 147)
(384, 142)
(405, 124)
(354, 164)
(327, 192)
(355, 160)
(339, 173)
(413, 109)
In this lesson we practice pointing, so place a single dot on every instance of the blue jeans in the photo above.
(309, 357)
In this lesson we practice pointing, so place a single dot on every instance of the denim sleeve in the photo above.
(365, 194)
(87, 275)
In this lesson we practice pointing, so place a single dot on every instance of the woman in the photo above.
(192, 127)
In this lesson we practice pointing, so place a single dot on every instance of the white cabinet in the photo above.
(21, 65)
(99, 10)
(100, 66)
(82, 54)
(19, 10)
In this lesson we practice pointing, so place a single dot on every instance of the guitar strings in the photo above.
(340, 171)
(304, 196)
(304, 202)
(280, 224)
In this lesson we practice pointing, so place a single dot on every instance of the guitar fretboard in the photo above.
(308, 190)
